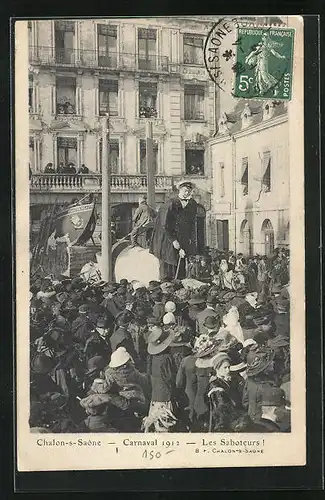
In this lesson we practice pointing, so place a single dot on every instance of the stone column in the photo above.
(37, 155)
(55, 149)
(98, 141)
(121, 96)
(80, 150)
(77, 43)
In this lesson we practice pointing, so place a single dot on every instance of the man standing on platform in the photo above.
(143, 222)
(173, 236)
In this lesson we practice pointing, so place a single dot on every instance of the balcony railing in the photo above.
(93, 182)
(52, 56)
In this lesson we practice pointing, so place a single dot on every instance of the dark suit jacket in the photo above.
(173, 222)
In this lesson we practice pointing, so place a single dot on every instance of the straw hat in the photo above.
(260, 361)
(119, 357)
(159, 340)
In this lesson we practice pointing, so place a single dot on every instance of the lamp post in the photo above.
(150, 167)
(106, 254)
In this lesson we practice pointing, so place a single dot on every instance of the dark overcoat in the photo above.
(173, 222)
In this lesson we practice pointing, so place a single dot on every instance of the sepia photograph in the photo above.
(159, 227)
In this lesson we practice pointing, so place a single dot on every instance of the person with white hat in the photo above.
(162, 370)
(173, 236)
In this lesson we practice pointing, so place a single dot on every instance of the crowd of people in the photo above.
(68, 169)
(191, 355)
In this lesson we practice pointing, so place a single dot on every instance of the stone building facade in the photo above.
(250, 163)
(136, 70)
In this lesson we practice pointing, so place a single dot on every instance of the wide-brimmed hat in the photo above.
(225, 297)
(96, 363)
(62, 296)
(109, 288)
(84, 309)
(119, 357)
(212, 322)
(204, 346)
(182, 295)
(182, 336)
(279, 341)
(262, 358)
(196, 298)
(159, 340)
(237, 364)
(167, 287)
(124, 318)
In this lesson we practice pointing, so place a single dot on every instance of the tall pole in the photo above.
(106, 204)
(150, 167)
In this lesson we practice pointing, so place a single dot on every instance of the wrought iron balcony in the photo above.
(53, 56)
(83, 183)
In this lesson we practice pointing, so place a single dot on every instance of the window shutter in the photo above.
(266, 179)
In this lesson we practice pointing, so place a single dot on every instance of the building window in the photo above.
(147, 100)
(147, 40)
(114, 155)
(31, 154)
(193, 102)
(108, 97)
(143, 156)
(64, 42)
(193, 49)
(107, 45)
(65, 95)
(266, 179)
(30, 95)
(30, 34)
(194, 160)
(222, 179)
(67, 151)
(244, 177)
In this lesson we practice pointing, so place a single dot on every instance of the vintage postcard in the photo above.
(160, 242)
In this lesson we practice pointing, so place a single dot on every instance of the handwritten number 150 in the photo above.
(151, 454)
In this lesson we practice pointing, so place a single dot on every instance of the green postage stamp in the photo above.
(263, 66)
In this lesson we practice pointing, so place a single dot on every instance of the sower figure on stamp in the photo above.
(173, 236)
(143, 223)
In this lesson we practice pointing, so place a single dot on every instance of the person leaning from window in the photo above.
(49, 169)
(60, 168)
(70, 169)
(83, 169)
(68, 108)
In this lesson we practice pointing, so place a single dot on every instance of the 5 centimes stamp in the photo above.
(264, 63)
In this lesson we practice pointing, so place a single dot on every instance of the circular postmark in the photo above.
(250, 61)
